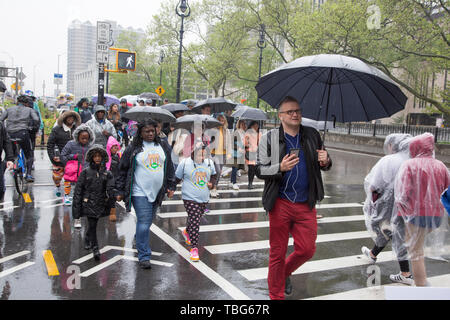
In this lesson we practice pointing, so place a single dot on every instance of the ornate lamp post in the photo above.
(184, 11)
(261, 45)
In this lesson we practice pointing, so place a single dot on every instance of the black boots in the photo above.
(96, 253)
(87, 244)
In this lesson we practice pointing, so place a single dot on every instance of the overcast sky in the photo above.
(34, 32)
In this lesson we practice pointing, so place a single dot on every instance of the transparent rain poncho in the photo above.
(418, 188)
(379, 187)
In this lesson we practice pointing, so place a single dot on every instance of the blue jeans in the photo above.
(144, 212)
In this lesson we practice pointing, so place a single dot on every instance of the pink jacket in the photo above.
(421, 180)
(111, 142)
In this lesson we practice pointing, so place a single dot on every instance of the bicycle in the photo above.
(19, 170)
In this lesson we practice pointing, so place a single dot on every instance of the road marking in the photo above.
(4, 203)
(156, 262)
(101, 266)
(9, 208)
(16, 268)
(54, 205)
(52, 268)
(265, 224)
(13, 256)
(221, 282)
(171, 202)
(106, 249)
(378, 292)
(320, 265)
(358, 153)
(264, 244)
(253, 210)
(230, 191)
(49, 200)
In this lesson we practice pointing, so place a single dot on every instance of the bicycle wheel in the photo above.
(19, 181)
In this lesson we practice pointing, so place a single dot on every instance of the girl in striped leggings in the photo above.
(198, 175)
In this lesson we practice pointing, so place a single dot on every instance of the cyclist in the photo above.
(19, 118)
(5, 145)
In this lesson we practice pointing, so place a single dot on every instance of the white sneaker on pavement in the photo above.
(77, 223)
(67, 201)
(235, 186)
(366, 252)
(402, 279)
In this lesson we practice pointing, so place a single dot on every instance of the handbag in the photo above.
(72, 170)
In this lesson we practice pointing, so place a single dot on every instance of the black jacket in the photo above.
(124, 181)
(268, 165)
(6, 144)
(94, 192)
(58, 138)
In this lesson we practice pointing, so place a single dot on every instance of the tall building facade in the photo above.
(82, 72)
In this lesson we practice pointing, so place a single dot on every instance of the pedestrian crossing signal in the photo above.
(126, 60)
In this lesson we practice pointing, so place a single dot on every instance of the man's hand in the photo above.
(170, 193)
(105, 132)
(288, 162)
(323, 157)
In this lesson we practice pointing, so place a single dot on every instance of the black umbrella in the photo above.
(218, 105)
(246, 112)
(149, 95)
(2, 86)
(187, 121)
(141, 113)
(175, 107)
(333, 87)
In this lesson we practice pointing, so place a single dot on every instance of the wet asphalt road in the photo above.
(233, 246)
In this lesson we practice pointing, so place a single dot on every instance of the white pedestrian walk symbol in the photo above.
(130, 61)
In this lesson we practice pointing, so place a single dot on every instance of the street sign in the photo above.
(103, 32)
(160, 91)
(3, 72)
(13, 86)
(22, 76)
(126, 60)
(102, 57)
(57, 78)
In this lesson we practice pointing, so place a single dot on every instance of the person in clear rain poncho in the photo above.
(379, 205)
(418, 188)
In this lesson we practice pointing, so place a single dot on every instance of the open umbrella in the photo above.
(149, 95)
(249, 113)
(187, 121)
(330, 86)
(189, 102)
(219, 104)
(141, 113)
(108, 99)
(2, 86)
(175, 107)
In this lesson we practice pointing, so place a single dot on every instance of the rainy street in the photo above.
(42, 255)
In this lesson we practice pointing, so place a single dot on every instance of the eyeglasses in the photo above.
(291, 112)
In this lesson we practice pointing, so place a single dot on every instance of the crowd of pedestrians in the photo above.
(106, 158)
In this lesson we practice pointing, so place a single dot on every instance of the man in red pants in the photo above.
(290, 160)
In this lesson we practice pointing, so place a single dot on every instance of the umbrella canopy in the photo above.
(2, 86)
(130, 98)
(189, 102)
(149, 95)
(219, 104)
(175, 107)
(141, 113)
(332, 87)
(108, 99)
(246, 112)
(187, 121)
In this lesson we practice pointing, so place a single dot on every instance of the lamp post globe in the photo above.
(183, 10)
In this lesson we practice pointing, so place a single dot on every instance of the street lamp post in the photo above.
(261, 45)
(184, 11)
(161, 60)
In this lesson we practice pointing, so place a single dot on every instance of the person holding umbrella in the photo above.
(289, 161)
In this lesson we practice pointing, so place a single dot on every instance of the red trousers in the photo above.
(297, 219)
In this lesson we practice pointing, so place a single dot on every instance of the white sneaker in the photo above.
(214, 193)
(67, 201)
(77, 223)
(235, 186)
(366, 252)
(239, 173)
(402, 279)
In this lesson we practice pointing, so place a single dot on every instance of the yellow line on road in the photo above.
(52, 269)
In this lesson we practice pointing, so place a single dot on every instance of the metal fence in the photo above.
(382, 130)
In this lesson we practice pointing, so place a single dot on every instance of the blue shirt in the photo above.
(295, 184)
(195, 179)
(149, 173)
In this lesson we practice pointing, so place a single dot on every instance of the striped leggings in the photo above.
(58, 175)
(195, 211)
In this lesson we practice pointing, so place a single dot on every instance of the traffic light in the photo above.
(126, 60)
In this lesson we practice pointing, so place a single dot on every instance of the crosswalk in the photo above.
(230, 231)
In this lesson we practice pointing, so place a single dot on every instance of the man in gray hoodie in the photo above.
(18, 122)
(101, 126)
